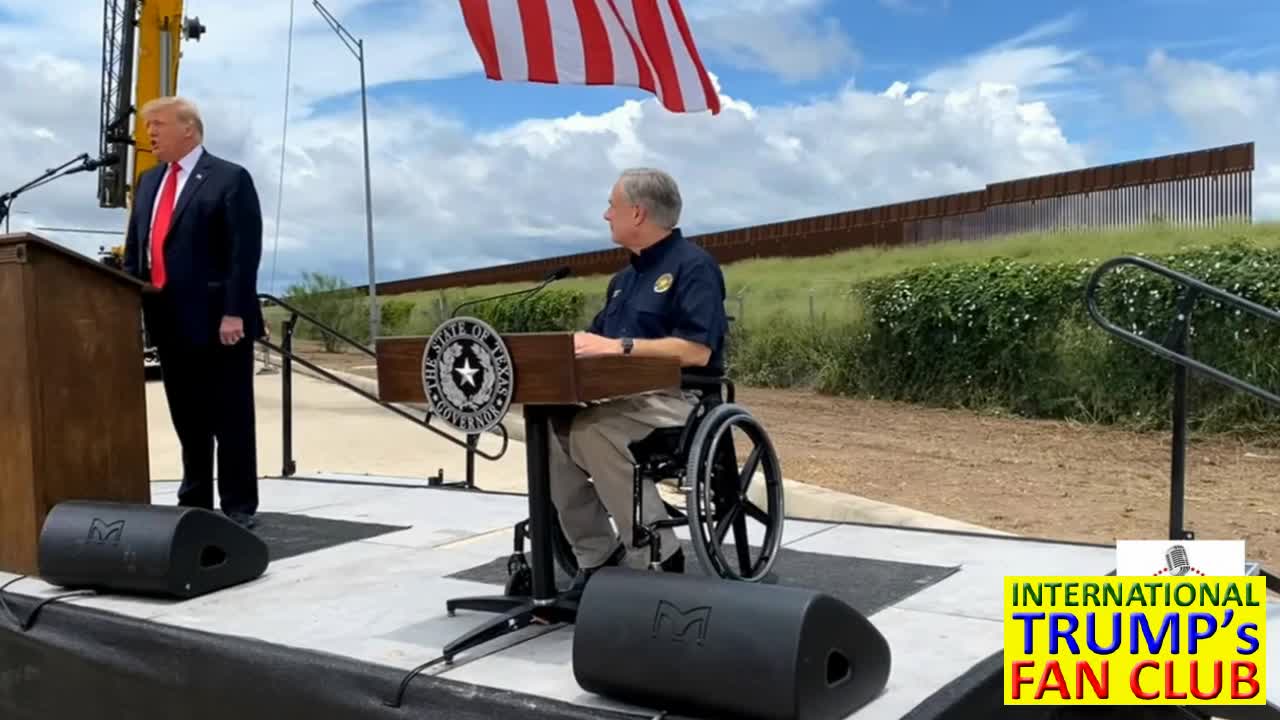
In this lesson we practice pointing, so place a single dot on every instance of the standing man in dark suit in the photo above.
(195, 238)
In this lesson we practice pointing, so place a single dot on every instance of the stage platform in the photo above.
(355, 597)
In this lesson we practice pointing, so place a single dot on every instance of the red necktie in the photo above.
(160, 228)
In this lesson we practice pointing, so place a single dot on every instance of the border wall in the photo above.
(1204, 187)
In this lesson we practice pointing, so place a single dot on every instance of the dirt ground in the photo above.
(1035, 478)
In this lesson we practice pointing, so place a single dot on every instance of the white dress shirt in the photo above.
(187, 163)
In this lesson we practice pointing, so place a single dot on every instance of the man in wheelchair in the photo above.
(669, 301)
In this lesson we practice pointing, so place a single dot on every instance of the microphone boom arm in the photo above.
(49, 175)
(550, 278)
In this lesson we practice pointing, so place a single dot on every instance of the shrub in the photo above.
(991, 333)
(547, 311)
(1018, 336)
(330, 301)
(394, 316)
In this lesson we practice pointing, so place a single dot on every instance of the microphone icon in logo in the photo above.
(1176, 560)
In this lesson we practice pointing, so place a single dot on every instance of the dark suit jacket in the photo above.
(212, 252)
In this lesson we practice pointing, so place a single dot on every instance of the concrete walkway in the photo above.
(336, 431)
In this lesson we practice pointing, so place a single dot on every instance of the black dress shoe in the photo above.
(244, 520)
(675, 563)
(584, 574)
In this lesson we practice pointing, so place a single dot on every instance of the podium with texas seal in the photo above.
(470, 375)
(72, 389)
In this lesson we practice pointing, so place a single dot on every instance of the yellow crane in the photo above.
(141, 51)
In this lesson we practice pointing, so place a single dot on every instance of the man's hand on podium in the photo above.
(591, 345)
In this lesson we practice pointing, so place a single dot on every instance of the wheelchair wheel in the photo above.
(718, 500)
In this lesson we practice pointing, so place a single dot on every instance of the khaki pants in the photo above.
(592, 473)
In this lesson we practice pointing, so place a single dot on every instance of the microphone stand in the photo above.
(6, 200)
(550, 278)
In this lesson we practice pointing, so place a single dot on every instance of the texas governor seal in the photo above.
(467, 375)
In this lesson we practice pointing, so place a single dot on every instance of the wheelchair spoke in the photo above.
(755, 512)
(729, 517)
(749, 469)
(745, 566)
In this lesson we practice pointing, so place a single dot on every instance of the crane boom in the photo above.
(119, 17)
(141, 52)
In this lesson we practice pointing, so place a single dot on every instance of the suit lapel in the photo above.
(144, 204)
(191, 186)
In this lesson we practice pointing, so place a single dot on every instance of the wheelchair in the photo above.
(700, 459)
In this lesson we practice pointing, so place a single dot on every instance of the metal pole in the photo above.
(288, 467)
(368, 202)
(357, 50)
(1178, 466)
(1179, 342)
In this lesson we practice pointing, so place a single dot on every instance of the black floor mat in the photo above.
(288, 535)
(865, 584)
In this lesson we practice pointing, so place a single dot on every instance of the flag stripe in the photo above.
(654, 39)
(597, 50)
(710, 99)
(691, 94)
(634, 43)
(479, 24)
(626, 67)
(508, 30)
(626, 15)
(566, 39)
(539, 44)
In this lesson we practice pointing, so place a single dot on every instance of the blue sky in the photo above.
(820, 116)
(906, 40)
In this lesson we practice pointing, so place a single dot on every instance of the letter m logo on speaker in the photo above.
(103, 533)
(677, 623)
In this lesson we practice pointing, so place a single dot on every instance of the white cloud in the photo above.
(1221, 106)
(917, 7)
(447, 197)
(793, 46)
(1040, 70)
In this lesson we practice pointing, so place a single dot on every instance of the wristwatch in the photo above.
(627, 344)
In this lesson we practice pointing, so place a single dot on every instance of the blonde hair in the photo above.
(183, 109)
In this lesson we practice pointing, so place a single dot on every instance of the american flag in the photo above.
(635, 43)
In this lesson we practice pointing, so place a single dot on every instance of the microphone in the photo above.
(557, 274)
(94, 164)
(1176, 558)
(108, 159)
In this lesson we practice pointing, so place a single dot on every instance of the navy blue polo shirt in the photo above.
(673, 288)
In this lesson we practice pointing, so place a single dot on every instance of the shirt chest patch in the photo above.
(663, 283)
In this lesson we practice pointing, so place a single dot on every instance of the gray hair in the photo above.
(656, 192)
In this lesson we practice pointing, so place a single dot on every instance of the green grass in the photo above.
(818, 288)
(791, 286)
(948, 326)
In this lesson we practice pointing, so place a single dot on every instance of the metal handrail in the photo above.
(1197, 286)
(1174, 350)
(285, 349)
(325, 328)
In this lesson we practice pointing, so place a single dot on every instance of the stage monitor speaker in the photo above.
(147, 549)
(695, 645)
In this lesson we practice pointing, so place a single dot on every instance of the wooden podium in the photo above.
(547, 375)
(72, 389)
(546, 371)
